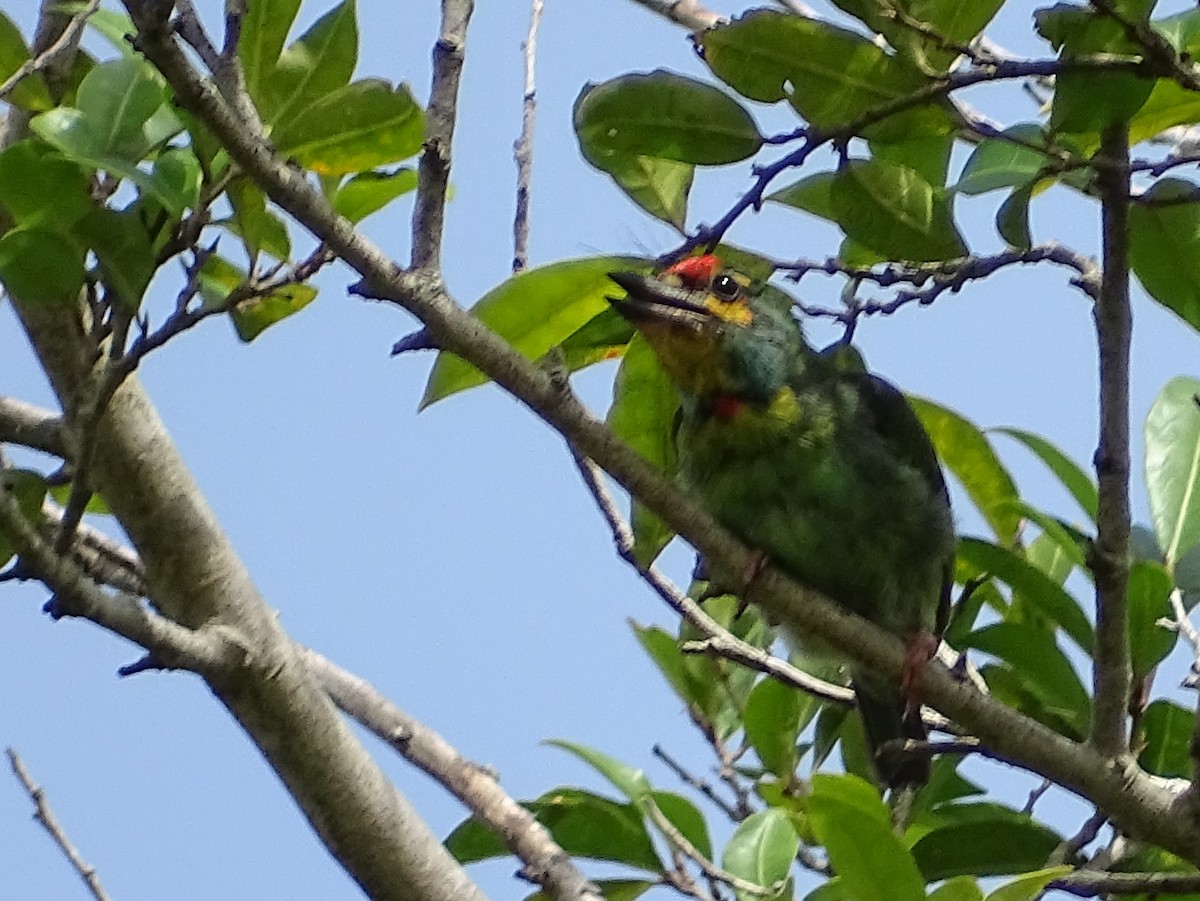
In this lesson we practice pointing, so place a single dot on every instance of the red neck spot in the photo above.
(726, 406)
(696, 271)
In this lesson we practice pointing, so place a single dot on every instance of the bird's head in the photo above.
(713, 331)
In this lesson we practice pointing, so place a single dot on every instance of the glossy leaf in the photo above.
(999, 163)
(369, 192)
(118, 99)
(1164, 246)
(658, 186)
(1047, 598)
(893, 210)
(1173, 467)
(830, 76)
(1150, 588)
(355, 128)
(252, 317)
(534, 311)
(39, 187)
(871, 860)
(952, 20)
(319, 62)
(966, 452)
(630, 781)
(1167, 732)
(31, 91)
(772, 723)
(982, 839)
(41, 266)
(928, 156)
(661, 114)
(1069, 473)
(762, 848)
(584, 824)
(265, 27)
(645, 404)
(1029, 886)
(1041, 665)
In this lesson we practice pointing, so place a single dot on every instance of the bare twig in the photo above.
(44, 815)
(523, 148)
(65, 44)
(1093, 884)
(1181, 623)
(691, 14)
(433, 172)
(705, 788)
(1109, 554)
(30, 426)
(1157, 48)
(1069, 848)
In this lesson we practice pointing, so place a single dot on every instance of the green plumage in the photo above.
(810, 459)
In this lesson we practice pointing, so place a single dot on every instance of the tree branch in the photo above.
(1142, 805)
(691, 14)
(523, 148)
(30, 426)
(1109, 555)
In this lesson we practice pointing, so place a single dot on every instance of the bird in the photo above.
(820, 466)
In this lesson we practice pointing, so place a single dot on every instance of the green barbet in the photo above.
(817, 464)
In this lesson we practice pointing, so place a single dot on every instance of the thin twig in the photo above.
(433, 171)
(691, 14)
(692, 781)
(65, 43)
(1069, 848)
(44, 815)
(523, 148)
(1181, 623)
(1093, 884)
(1108, 557)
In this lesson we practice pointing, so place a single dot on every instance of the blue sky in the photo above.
(453, 558)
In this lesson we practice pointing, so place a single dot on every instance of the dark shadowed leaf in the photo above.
(999, 163)
(813, 194)
(41, 266)
(123, 249)
(661, 114)
(370, 192)
(658, 186)
(1149, 600)
(952, 20)
(39, 187)
(30, 92)
(355, 128)
(1164, 246)
(1173, 467)
(983, 839)
(604, 337)
(534, 311)
(1012, 219)
(1167, 731)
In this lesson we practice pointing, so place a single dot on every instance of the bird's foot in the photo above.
(919, 648)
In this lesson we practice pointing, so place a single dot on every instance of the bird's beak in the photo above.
(651, 300)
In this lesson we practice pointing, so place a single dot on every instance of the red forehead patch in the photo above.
(696, 271)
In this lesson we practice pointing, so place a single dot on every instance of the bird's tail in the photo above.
(886, 717)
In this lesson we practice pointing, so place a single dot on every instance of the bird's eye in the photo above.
(726, 287)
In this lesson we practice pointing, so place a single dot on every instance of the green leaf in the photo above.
(952, 20)
(1012, 219)
(830, 76)
(687, 818)
(1150, 588)
(252, 317)
(604, 337)
(29, 489)
(1071, 542)
(982, 839)
(31, 91)
(258, 228)
(319, 62)
(658, 186)
(645, 404)
(1164, 246)
(813, 194)
(116, 28)
(870, 859)
(960, 888)
(967, 453)
(999, 163)
(39, 187)
(630, 781)
(762, 849)
(41, 266)
(355, 128)
(123, 249)
(661, 114)
(1173, 467)
(1030, 886)
(929, 156)
(772, 723)
(177, 172)
(369, 192)
(265, 27)
(583, 823)
(893, 210)
(96, 504)
(1180, 29)
(1041, 666)
(663, 649)
(1167, 729)
(1070, 473)
(118, 99)
(534, 311)
(1047, 598)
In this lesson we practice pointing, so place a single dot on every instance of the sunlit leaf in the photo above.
(1173, 467)
(319, 62)
(762, 848)
(1069, 473)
